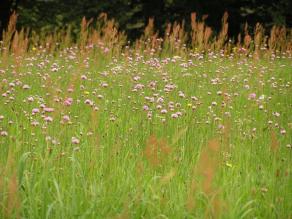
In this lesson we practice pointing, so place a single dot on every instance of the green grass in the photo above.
(110, 174)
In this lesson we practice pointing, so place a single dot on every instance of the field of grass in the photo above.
(159, 129)
(135, 137)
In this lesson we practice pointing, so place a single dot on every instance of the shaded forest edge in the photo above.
(103, 35)
(132, 15)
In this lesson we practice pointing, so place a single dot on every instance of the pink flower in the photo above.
(48, 119)
(276, 114)
(48, 109)
(138, 87)
(106, 50)
(54, 69)
(174, 116)
(104, 84)
(220, 126)
(252, 96)
(145, 108)
(30, 99)
(160, 100)
(194, 98)
(35, 111)
(34, 123)
(112, 118)
(3, 133)
(88, 102)
(136, 78)
(70, 90)
(83, 77)
(68, 101)
(163, 111)
(261, 107)
(149, 115)
(66, 118)
(25, 87)
(11, 84)
(181, 94)
(75, 140)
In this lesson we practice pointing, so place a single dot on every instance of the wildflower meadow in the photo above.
(190, 125)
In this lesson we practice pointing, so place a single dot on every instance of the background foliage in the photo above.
(132, 15)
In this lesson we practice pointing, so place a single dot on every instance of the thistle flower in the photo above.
(104, 84)
(68, 101)
(283, 131)
(88, 102)
(48, 119)
(11, 84)
(181, 94)
(34, 123)
(66, 118)
(174, 116)
(25, 87)
(145, 108)
(30, 99)
(83, 77)
(4, 133)
(75, 140)
(48, 109)
(163, 111)
(70, 90)
(35, 111)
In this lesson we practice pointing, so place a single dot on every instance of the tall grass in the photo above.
(191, 125)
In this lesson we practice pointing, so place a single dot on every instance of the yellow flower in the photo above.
(190, 105)
(86, 92)
(33, 49)
(228, 164)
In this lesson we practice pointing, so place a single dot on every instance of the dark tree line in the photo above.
(6, 9)
(132, 15)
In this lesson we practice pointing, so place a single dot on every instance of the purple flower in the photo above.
(48, 109)
(70, 90)
(48, 119)
(34, 123)
(174, 116)
(104, 84)
(88, 102)
(145, 108)
(30, 99)
(106, 50)
(66, 118)
(35, 111)
(252, 96)
(83, 77)
(68, 101)
(75, 140)
(163, 111)
(181, 94)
